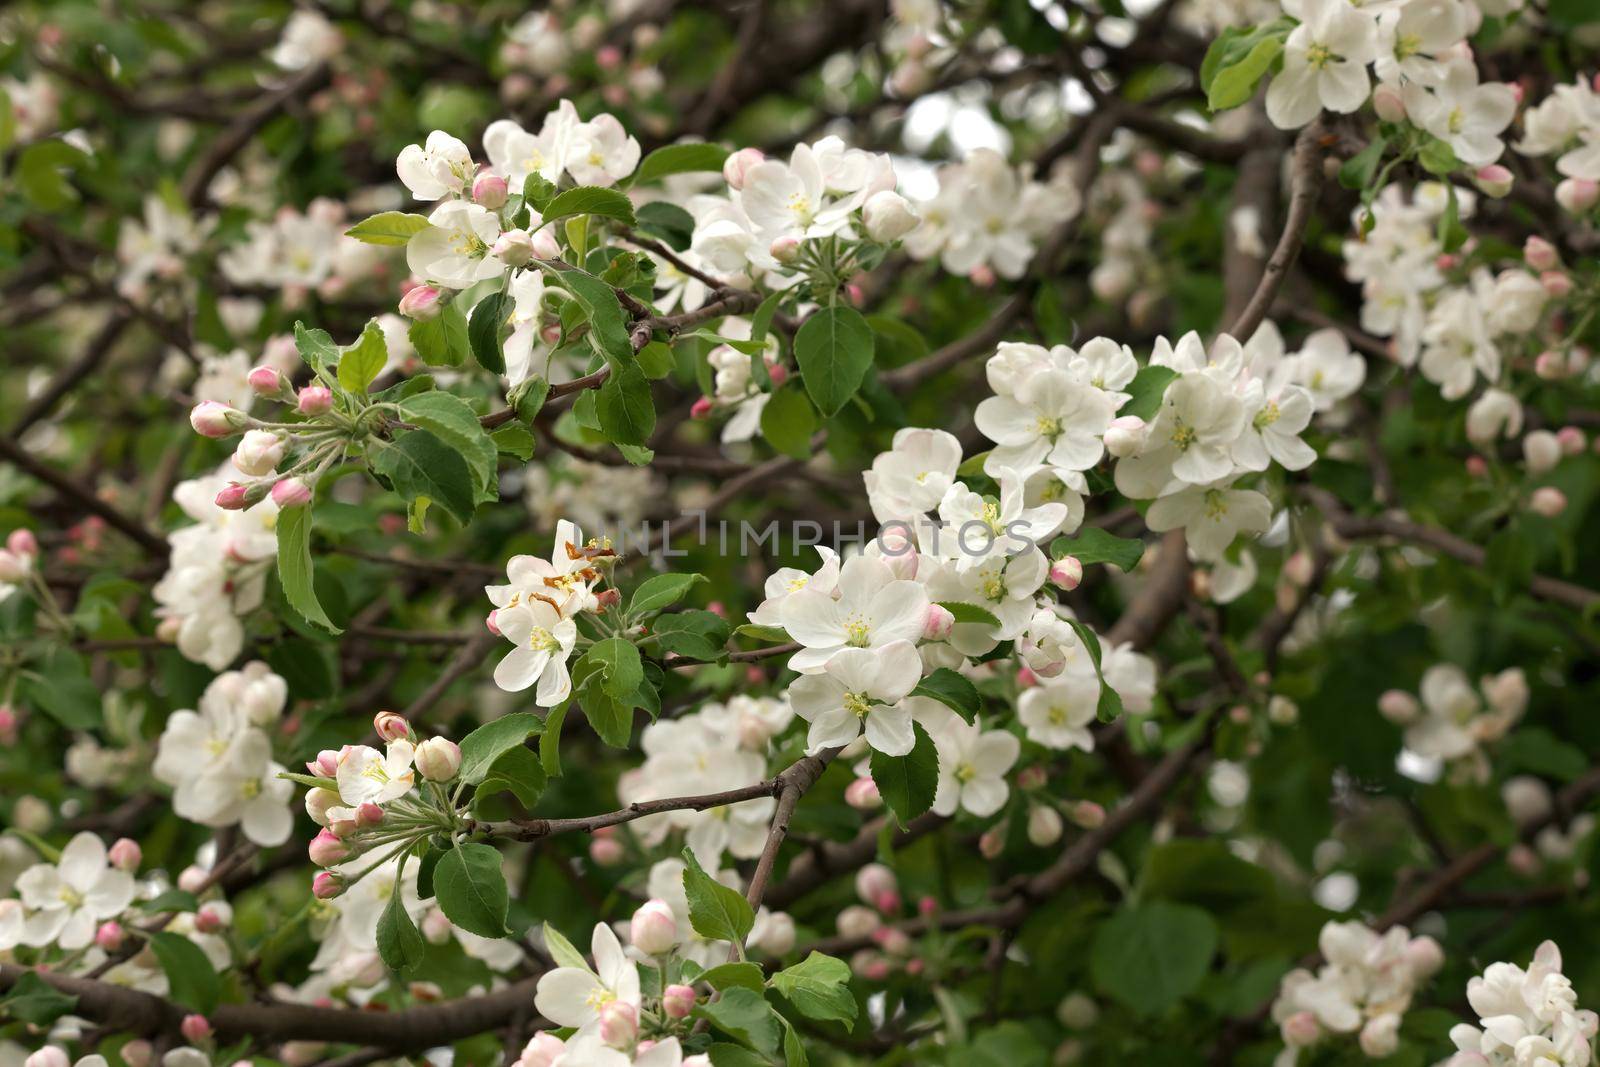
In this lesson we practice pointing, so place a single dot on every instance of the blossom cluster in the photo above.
(1454, 721)
(1527, 1018)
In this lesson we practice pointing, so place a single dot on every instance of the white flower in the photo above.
(440, 167)
(602, 152)
(911, 478)
(888, 216)
(860, 691)
(1057, 714)
(1053, 418)
(1324, 64)
(1008, 525)
(573, 996)
(366, 775)
(1190, 440)
(1493, 415)
(71, 897)
(543, 641)
(1273, 432)
(1467, 116)
(972, 765)
(1529, 1018)
(1413, 34)
(307, 38)
(1326, 368)
(1211, 517)
(786, 581)
(873, 609)
(454, 249)
(564, 581)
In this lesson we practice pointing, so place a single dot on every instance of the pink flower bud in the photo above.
(1557, 283)
(1067, 573)
(608, 57)
(1550, 366)
(701, 408)
(654, 929)
(211, 419)
(1425, 956)
(195, 1028)
(1300, 1030)
(138, 1053)
(268, 382)
(327, 885)
(1125, 436)
(110, 936)
(873, 881)
(606, 851)
(737, 166)
(1572, 440)
(314, 400)
(326, 765)
(991, 843)
(1539, 253)
(1034, 776)
(21, 543)
(391, 726)
(291, 493)
(1026, 679)
(1399, 707)
(862, 794)
(368, 814)
(871, 966)
(546, 245)
(208, 920)
(326, 849)
(937, 623)
(1548, 501)
(1477, 466)
(438, 759)
(610, 598)
(490, 624)
(193, 879)
(13, 569)
(1446, 261)
(513, 248)
(1386, 101)
(49, 1056)
(1044, 825)
(785, 249)
(490, 191)
(678, 1001)
(1577, 196)
(1087, 815)
(1493, 181)
(235, 496)
(423, 303)
(619, 1024)
(777, 372)
(1380, 1037)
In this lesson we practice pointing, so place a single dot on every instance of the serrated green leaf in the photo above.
(590, 200)
(471, 889)
(661, 591)
(295, 571)
(363, 361)
(953, 690)
(680, 159)
(489, 317)
(834, 349)
(1094, 545)
(908, 783)
(191, 979)
(483, 746)
(388, 228)
(819, 988)
(715, 911)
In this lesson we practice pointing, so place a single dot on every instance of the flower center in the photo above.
(857, 704)
(542, 640)
(1048, 427)
(1216, 504)
(965, 772)
(70, 896)
(1183, 435)
(857, 632)
(1319, 56)
(1268, 415)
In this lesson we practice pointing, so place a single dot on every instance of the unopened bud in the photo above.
(701, 409)
(208, 920)
(606, 851)
(327, 885)
(291, 493)
(138, 1053)
(1300, 1030)
(1282, 711)
(1557, 284)
(1044, 825)
(326, 765)
(368, 814)
(422, 303)
(110, 936)
(737, 166)
(326, 849)
(862, 794)
(318, 801)
(1125, 436)
(314, 400)
(1541, 451)
(1034, 776)
(1577, 196)
(258, 453)
(1380, 1037)
(195, 1028)
(1493, 181)
(1572, 440)
(1425, 956)
(193, 879)
(391, 726)
(678, 1001)
(619, 1024)
(654, 928)
(1548, 501)
(785, 249)
(1067, 573)
(22, 543)
(937, 623)
(991, 843)
(268, 382)
(1087, 815)
(1386, 101)
(513, 248)
(1399, 707)
(873, 881)
(211, 419)
(1540, 254)
(489, 190)
(438, 759)
(49, 1056)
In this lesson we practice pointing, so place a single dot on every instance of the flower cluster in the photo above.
(64, 903)
(1527, 1018)
(536, 608)
(1454, 721)
(218, 759)
(303, 252)
(1364, 988)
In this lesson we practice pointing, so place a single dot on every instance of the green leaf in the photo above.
(419, 465)
(728, 975)
(590, 200)
(514, 439)
(388, 228)
(1236, 84)
(771, 635)
(472, 889)
(1094, 545)
(655, 360)
(295, 572)
(60, 685)
(715, 911)
(724, 1054)
(788, 421)
(680, 159)
(696, 634)
(626, 410)
(562, 951)
(452, 420)
(363, 361)
(483, 746)
(442, 341)
(667, 221)
(1438, 158)
(489, 318)
(400, 943)
(40, 174)
(611, 719)
(965, 612)
(794, 1050)
(316, 347)
(608, 324)
(34, 1001)
(517, 771)
(834, 350)
(908, 783)
(1150, 956)
(1146, 391)
(819, 988)
(661, 591)
(1359, 170)
(744, 1015)
(619, 666)
(1109, 709)
(951, 689)
(192, 980)
(171, 900)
